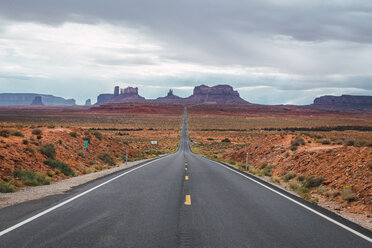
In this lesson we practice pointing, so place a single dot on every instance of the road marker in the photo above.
(186, 169)
(9, 229)
(186, 178)
(299, 203)
(188, 200)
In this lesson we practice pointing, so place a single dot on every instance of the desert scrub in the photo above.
(60, 166)
(107, 159)
(289, 176)
(48, 150)
(31, 178)
(6, 187)
(312, 182)
(73, 134)
(153, 152)
(348, 194)
(226, 140)
(4, 133)
(37, 131)
(302, 191)
(98, 135)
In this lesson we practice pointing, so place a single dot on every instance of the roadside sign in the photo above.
(154, 142)
(86, 142)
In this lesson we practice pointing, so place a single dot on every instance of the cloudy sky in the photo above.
(272, 52)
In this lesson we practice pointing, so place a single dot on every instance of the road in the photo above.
(181, 200)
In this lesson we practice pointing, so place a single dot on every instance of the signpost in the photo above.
(86, 142)
(154, 142)
(126, 157)
(246, 162)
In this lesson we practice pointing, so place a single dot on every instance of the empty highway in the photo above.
(180, 200)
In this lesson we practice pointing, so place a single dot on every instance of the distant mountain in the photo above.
(344, 102)
(11, 99)
(219, 94)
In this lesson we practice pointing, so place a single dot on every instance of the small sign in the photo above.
(86, 142)
(154, 142)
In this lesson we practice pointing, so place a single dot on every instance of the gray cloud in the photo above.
(306, 47)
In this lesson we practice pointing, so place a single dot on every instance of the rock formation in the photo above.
(12, 99)
(37, 101)
(88, 103)
(128, 94)
(344, 102)
(170, 98)
(219, 94)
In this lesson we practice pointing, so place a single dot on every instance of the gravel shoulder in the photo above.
(33, 193)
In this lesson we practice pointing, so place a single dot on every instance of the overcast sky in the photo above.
(272, 52)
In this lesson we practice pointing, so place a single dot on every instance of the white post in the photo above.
(246, 162)
(126, 157)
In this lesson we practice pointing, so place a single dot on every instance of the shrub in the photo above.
(263, 165)
(48, 150)
(326, 142)
(227, 140)
(153, 152)
(210, 139)
(6, 187)
(29, 149)
(348, 194)
(267, 172)
(18, 134)
(39, 137)
(301, 178)
(349, 142)
(51, 126)
(61, 166)
(98, 135)
(31, 178)
(36, 131)
(4, 133)
(25, 142)
(73, 134)
(289, 176)
(312, 182)
(107, 159)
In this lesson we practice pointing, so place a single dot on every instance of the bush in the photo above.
(31, 178)
(18, 134)
(312, 182)
(107, 159)
(326, 142)
(301, 178)
(39, 137)
(349, 142)
(289, 176)
(48, 150)
(25, 142)
(29, 149)
(210, 139)
(36, 131)
(267, 172)
(4, 133)
(73, 134)
(348, 194)
(226, 140)
(98, 135)
(61, 166)
(6, 187)
(153, 152)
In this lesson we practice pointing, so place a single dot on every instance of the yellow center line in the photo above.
(188, 200)
(185, 169)
(186, 178)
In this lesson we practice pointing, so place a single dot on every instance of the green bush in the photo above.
(97, 134)
(312, 182)
(61, 166)
(36, 131)
(4, 133)
(289, 176)
(6, 187)
(48, 150)
(267, 172)
(326, 142)
(18, 134)
(73, 134)
(31, 178)
(301, 178)
(25, 142)
(227, 140)
(107, 159)
(153, 152)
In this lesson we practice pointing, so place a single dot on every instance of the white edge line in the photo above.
(298, 203)
(71, 199)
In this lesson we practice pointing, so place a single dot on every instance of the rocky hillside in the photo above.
(11, 99)
(344, 102)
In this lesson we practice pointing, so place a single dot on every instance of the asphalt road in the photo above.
(181, 200)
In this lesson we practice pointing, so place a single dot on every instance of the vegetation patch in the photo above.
(313, 182)
(60, 166)
(6, 187)
(37, 131)
(48, 150)
(107, 159)
(31, 178)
